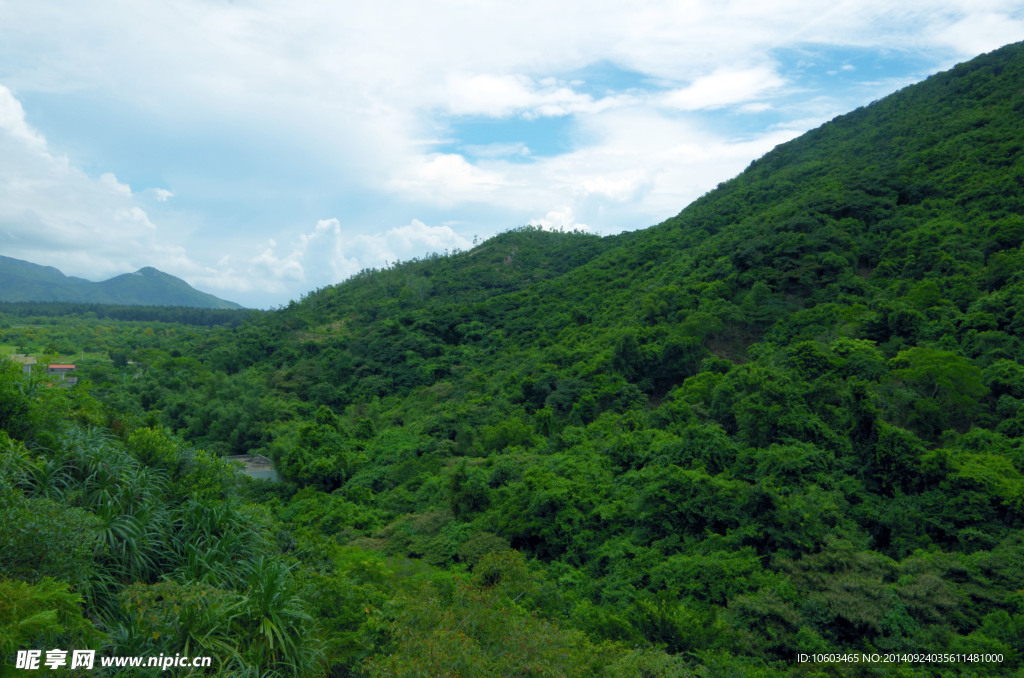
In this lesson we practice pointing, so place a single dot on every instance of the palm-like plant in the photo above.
(214, 544)
(118, 536)
(190, 618)
(95, 464)
(48, 478)
(203, 523)
(275, 617)
(14, 458)
(80, 443)
(101, 487)
(207, 566)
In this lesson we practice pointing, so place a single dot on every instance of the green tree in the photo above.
(322, 456)
(944, 389)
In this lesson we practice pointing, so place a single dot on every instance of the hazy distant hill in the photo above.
(25, 281)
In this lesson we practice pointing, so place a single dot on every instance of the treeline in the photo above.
(200, 317)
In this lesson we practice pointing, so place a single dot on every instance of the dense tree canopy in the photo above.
(788, 420)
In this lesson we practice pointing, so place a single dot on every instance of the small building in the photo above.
(62, 373)
(26, 361)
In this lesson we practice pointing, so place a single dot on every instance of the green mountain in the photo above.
(25, 281)
(787, 421)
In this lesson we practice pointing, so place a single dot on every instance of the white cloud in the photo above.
(724, 87)
(320, 251)
(13, 124)
(643, 167)
(108, 179)
(982, 32)
(498, 150)
(133, 216)
(162, 194)
(313, 61)
(325, 256)
(445, 179)
(497, 96)
(640, 167)
(560, 219)
(53, 213)
(504, 95)
(416, 238)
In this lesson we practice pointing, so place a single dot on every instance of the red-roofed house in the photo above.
(62, 372)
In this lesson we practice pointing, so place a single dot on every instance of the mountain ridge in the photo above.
(22, 280)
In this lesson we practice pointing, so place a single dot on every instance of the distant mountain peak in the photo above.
(25, 281)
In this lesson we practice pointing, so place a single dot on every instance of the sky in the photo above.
(261, 150)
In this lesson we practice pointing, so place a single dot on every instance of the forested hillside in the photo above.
(788, 420)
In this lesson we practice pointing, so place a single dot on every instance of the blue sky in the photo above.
(260, 150)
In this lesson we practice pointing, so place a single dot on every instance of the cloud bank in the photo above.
(341, 130)
(51, 210)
